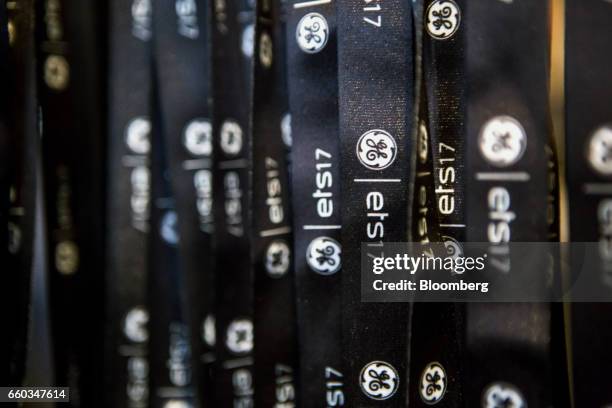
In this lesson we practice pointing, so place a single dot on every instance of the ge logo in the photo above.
(57, 72)
(452, 246)
(14, 238)
(141, 17)
(209, 334)
(433, 383)
(278, 259)
(423, 143)
(231, 137)
(502, 395)
(312, 33)
(169, 228)
(286, 130)
(137, 135)
(135, 325)
(443, 19)
(66, 257)
(265, 50)
(248, 34)
(323, 255)
(502, 141)
(379, 380)
(376, 149)
(240, 336)
(174, 403)
(197, 137)
(599, 151)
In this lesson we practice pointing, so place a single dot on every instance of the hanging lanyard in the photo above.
(588, 132)
(71, 86)
(376, 92)
(232, 49)
(313, 99)
(274, 318)
(23, 144)
(127, 367)
(438, 206)
(508, 351)
(184, 90)
(170, 357)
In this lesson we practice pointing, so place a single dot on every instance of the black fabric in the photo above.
(376, 92)
(23, 147)
(315, 181)
(232, 75)
(172, 371)
(71, 61)
(126, 369)
(508, 345)
(587, 84)
(274, 307)
(437, 328)
(184, 97)
(170, 353)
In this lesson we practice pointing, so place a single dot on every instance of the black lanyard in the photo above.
(170, 356)
(274, 318)
(313, 99)
(588, 132)
(232, 49)
(126, 369)
(21, 178)
(437, 328)
(71, 86)
(508, 351)
(184, 96)
(376, 92)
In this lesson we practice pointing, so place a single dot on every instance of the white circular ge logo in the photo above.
(197, 137)
(231, 137)
(378, 380)
(323, 255)
(135, 325)
(57, 72)
(312, 33)
(248, 35)
(169, 228)
(277, 258)
(599, 151)
(240, 336)
(502, 395)
(502, 141)
(443, 19)
(177, 404)
(266, 52)
(137, 135)
(423, 143)
(209, 333)
(67, 257)
(286, 130)
(14, 238)
(433, 383)
(376, 149)
(452, 246)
